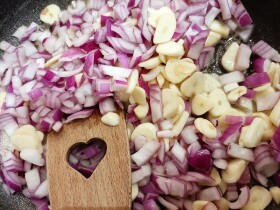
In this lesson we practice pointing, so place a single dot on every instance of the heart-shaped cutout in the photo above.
(85, 157)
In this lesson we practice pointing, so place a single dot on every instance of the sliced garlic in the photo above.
(177, 70)
(139, 95)
(234, 170)
(169, 102)
(213, 39)
(50, 14)
(235, 94)
(220, 27)
(111, 119)
(201, 104)
(275, 193)
(210, 83)
(253, 135)
(193, 85)
(170, 48)
(132, 81)
(228, 59)
(154, 15)
(165, 28)
(180, 123)
(205, 127)
(151, 63)
(221, 104)
(141, 111)
(145, 129)
(259, 199)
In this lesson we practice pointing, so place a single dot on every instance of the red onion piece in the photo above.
(261, 65)
(230, 133)
(256, 79)
(236, 151)
(201, 161)
(242, 61)
(198, 44)
(225, 9)
(150, 205)
(264, 50)
(242, 199)
(155, 103)
(145, 153)
(231, 77)
(268, 101)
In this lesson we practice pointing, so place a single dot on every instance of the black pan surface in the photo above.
(14, 13)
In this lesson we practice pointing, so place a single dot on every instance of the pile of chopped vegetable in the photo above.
(197, 139)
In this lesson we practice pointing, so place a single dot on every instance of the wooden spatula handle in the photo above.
(109, 187)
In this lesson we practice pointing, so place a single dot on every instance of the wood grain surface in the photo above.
(109, 187)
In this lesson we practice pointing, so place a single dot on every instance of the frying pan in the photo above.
(14, 13)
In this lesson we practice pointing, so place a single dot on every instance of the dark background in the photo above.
(14, 13)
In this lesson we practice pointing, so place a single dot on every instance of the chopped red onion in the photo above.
(268, 101)
(261, 65)
(145, 153)
(231, 77)
(256, 79)
(264, 50)
(236, 151)
(242, 61)
(74, 67)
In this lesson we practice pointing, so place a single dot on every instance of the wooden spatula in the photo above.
(109, 187)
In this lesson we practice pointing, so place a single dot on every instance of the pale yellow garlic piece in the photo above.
(163, 58)
(111, 119)
(205, 127)
(170, 48)
(216, 179)
(203, 205)
(176, 89)
(132, 81)
(222, 204)
(221, 103)
(228, 59)
(165, 28)
(220, 27)
(275, 193)
(262, 87)
(129, 128)
(134, 191)
(193, 85)
(50, 14)
(269, 128)
(155, 15)
(201, 104)
(234, 170)
(235, 94)
(253, 135)
(177, 70)
(229, 87)
(213, 39)
(145, 129)
(151, 63)
(169, 102)
(21, 141)
(259, 199)
(160, 80)
(210, 83)
(141, 111)
(180, 123)
(139, 95)
(52, 61)
(2, 97)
